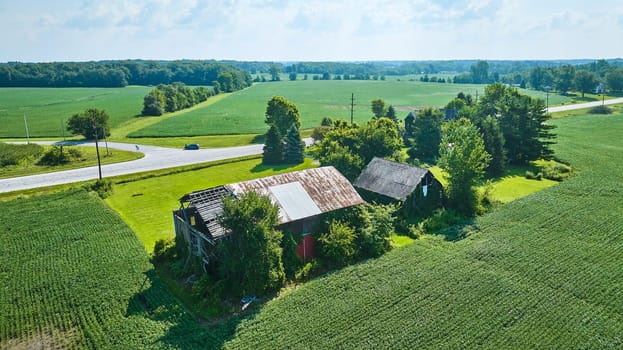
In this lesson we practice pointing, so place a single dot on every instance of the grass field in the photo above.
(147, 205)
(243, 111)
(89, 159)
(70, 279)
(47, 109)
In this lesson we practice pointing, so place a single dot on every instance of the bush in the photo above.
(556, 171)
(164, 250)
(531, 176)
(337, 246)
(600, 110)
(441, 219)
(291, 261)
(378, 224)
(103, 187)
(54, 156)
(414, 232)
(11, 154)
(308, 271)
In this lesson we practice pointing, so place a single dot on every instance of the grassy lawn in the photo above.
(47, 109)
(89, 158)
(243, 111)
(147, 205)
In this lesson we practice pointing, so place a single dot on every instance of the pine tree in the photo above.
(295, 147)
(273, 147)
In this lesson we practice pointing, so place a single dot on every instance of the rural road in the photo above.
(162, 157)
(155, 158)
(584, 105)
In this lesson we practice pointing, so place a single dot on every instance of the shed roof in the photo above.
(298, 194)
(391, 179)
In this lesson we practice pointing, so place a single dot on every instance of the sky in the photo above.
(314, 30)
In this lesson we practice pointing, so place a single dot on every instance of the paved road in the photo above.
(155, 158)
(584, 105)
(161, 158)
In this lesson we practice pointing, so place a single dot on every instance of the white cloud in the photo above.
(309, 30)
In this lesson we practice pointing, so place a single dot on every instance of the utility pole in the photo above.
(62, 128)
(97, 150)
(106, 141)
(352, 106)
(27, 135)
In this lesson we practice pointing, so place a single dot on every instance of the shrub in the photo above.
(378, 224)
(337, 246)
(308, 271)
(103, 187)
(556, 171)
(600, 110)
(164, 250)
(414, 232)
(532, 176)
(441, 219)
(291, 261)
(54, 156)
(11, 154)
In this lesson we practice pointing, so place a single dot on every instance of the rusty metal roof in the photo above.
(391, 179)
(312, 192)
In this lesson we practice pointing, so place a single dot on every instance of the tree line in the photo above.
(174, 97)
(122, 73)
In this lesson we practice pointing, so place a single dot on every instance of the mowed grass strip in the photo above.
(542, 272)
(89, 158)
(48, 109)
(147, 205)
(243, 111)
(70, 276)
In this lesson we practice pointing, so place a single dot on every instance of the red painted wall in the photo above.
(306, 249)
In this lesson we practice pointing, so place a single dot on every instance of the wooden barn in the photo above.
(384, 181)
(302, 196)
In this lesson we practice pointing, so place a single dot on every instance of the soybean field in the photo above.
(243, 111)
(73, 275)
(543, 271)
(47, 109)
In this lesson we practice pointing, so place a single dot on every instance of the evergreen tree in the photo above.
(295, 147)
(409, 124)
(494, 145)
(427, 133)
(273, 147)
(391, 113)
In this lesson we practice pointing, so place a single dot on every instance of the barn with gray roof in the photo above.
(385, 181)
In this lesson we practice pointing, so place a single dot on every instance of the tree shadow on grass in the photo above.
(186, 331)
(279, 167)
(259, 138)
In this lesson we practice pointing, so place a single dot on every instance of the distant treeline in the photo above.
(122, 73)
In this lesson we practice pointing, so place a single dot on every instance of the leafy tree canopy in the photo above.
(282, 113)
(89, 123)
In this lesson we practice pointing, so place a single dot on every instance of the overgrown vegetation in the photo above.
(173, 97)
(11, 154)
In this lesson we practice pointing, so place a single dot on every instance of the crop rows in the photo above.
(542, 272)
(70, 275)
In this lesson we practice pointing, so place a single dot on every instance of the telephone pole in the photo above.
(26, 124)
(352, 106)
(97, 150)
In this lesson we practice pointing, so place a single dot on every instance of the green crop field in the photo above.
(243, 111)
(47, 109)
(147, 205)
(73, 275)
(543, 271)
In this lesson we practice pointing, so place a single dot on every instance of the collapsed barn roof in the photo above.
(391, 179)
(299, 194)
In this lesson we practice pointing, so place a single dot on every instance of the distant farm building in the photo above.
(384, 181)
(302, 196)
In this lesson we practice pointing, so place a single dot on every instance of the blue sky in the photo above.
(274, 30)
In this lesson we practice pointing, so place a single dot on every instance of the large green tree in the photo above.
(427, 133)
(565, 76)
(378, 107)
(273, 147)
(463, 157)
(295, 147)
(89, 123)
(274, 71)
(282, 113)
(350, 147)
(480, 72)
(250, 259)
(614, 79)
(585, 81)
